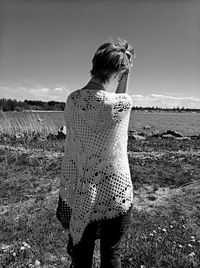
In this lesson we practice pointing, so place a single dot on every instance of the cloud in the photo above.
(175, 98)
(46, 94)
(137, 96)
(39, 92)
(58, 89)
(60, 93)
(45, 89)
(166, 101)
(21, 92)
(4, 88)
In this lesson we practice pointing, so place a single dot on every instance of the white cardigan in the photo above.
(96, 181)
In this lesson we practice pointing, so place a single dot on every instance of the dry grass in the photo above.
(28, 123)
(165, 221)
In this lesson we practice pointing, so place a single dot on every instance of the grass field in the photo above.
(187, 123)
(165, 227)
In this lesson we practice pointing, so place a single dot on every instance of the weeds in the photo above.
(29, 125)
(163, 245)
(164, 231)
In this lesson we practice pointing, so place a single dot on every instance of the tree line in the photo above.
(159, 109)
(28, 105)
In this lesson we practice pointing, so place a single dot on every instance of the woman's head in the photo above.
(110, 59)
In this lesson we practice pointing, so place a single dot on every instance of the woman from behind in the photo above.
(96, 191)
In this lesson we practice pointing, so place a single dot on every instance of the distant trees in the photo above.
(14, 105)
(159, 109)
(11, 105)
(41, 105)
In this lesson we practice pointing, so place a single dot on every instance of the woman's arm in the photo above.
(123, 83)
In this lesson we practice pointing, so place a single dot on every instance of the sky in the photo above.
(47, 46)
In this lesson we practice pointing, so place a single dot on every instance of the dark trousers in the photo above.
(111, 232)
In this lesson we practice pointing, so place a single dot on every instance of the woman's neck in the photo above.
(94, 80)
(96, 84)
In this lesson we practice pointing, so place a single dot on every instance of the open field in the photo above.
(165, 228)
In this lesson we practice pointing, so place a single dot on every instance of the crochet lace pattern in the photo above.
(95, 178)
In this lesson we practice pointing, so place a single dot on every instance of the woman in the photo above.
(96, 191)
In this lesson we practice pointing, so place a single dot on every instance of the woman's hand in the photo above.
(125, 73)
(123, 82)
(123, 77)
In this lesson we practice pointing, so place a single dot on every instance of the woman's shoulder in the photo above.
(88, 95)
(82, 96)
(118, 98)
(74, 94)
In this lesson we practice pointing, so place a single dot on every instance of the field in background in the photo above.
(186, 123)
(12, 123)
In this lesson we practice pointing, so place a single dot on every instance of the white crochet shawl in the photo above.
(96, 181)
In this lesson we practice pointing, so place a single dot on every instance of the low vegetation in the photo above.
(165, 221)
(165, 226)
(28, 125)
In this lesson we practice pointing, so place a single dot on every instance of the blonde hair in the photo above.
(111, 58)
